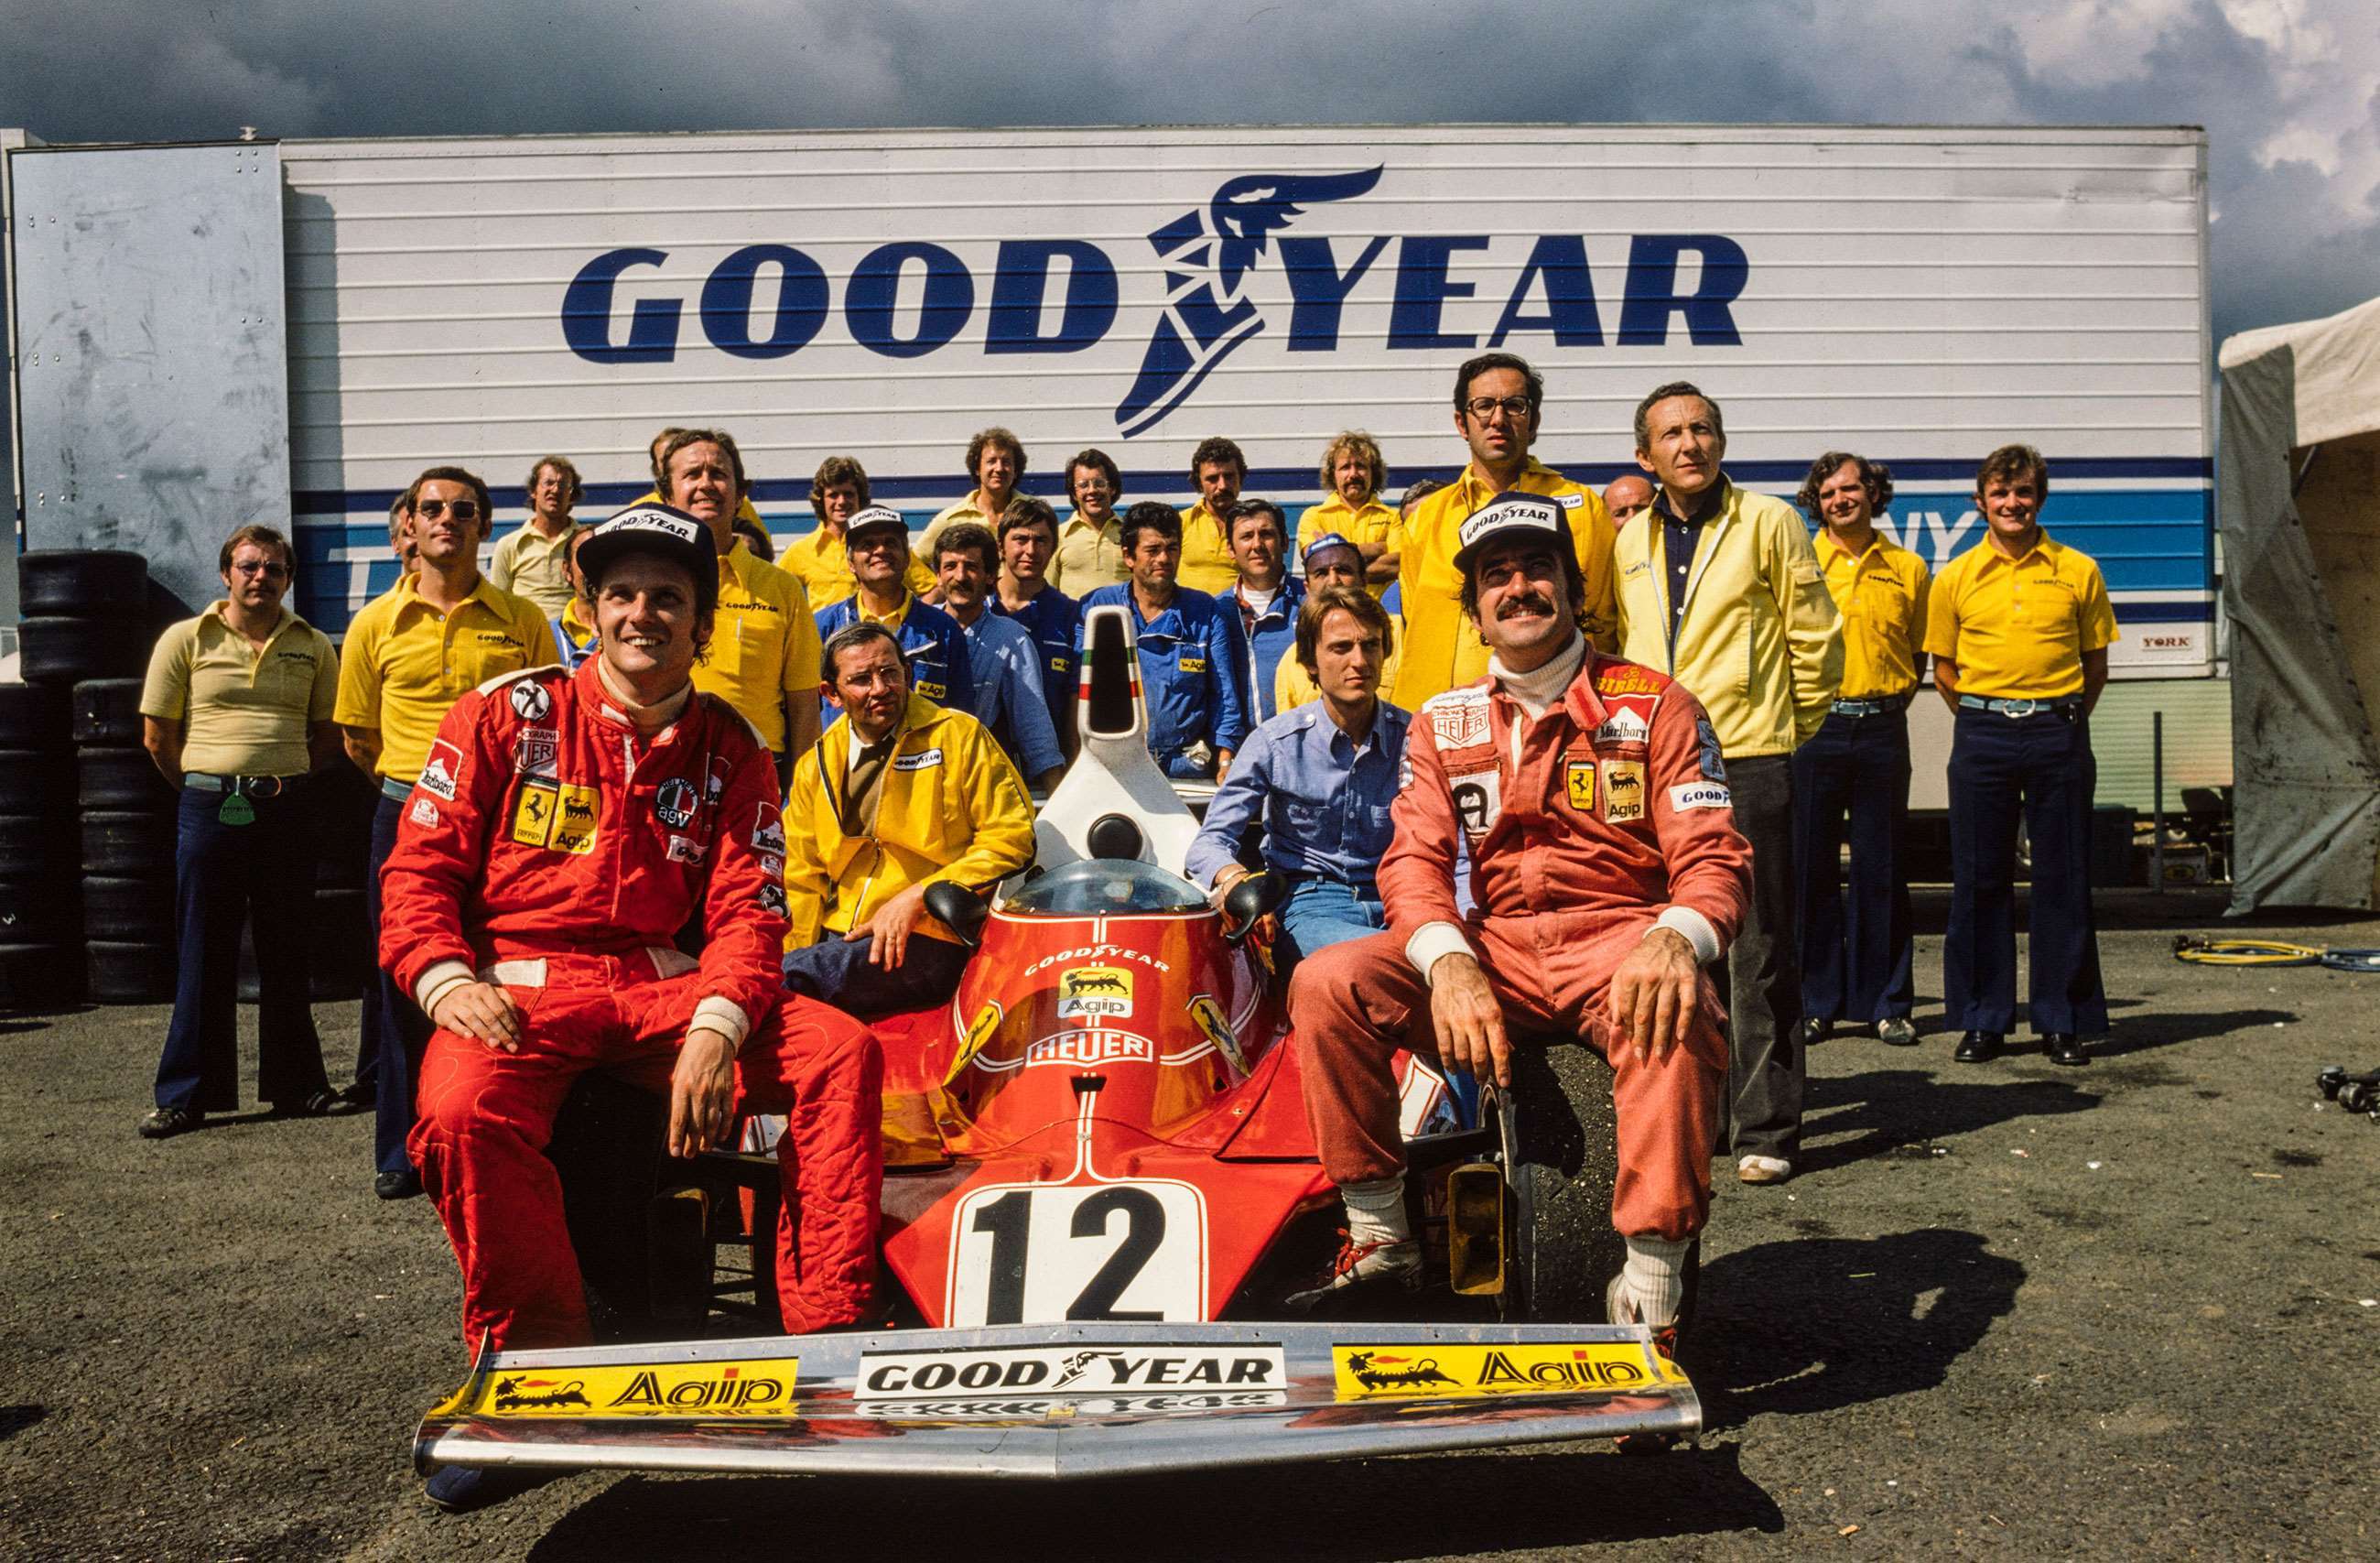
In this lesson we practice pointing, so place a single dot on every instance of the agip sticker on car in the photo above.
(762, 1387)
(1038, 1253)
(1091, 993)
(1368, 1372)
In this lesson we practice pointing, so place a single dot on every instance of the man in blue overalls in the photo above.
(1192, 654)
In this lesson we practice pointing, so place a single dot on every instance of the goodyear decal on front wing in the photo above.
(764, 1387)
(1368, 1372)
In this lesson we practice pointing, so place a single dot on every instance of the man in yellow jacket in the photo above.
(1498, 401)
(897, 797)
(1721, 589)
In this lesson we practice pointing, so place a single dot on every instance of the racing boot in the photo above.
(1650, 1286)
(460, 1489)
(1364, 1272)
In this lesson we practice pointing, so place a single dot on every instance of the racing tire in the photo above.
(38, 909)
(119, 779)
(1561, 1166)
(68, 650)
(128, 911)
(32, 844)
(84, 582)
(33, 782)
(36, 716)
(128, 973)
(107, 714)
(129, 843)
(34, 976)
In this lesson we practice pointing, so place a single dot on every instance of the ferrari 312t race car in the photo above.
(1100, 1187)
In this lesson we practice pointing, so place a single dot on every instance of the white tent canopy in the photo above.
(2299, 501)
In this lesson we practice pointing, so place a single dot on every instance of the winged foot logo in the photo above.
(1208, 256)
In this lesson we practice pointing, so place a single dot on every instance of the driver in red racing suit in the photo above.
(567, 826)
(1608, 872)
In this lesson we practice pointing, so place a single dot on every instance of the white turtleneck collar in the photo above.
(1539, 691)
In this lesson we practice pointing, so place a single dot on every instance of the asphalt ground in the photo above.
(2010, 1309)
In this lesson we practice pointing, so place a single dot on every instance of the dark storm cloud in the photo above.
(2285, 86)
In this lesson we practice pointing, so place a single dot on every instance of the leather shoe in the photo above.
(357, 1097)
(1979, 1047)
(166, 1122)
(2064, 1047)
(402, 1184)
(1816, 1032)
(1899, 1031)
(320, 1105)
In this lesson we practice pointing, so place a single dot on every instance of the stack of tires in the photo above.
(41, 923)
(87, 628)
(127, 848)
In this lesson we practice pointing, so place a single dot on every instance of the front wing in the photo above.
(1058, 1400)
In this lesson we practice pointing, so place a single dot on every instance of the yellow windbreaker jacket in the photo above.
(1760, 644)
(953, 808)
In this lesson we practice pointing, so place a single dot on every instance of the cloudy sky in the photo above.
(2287, 90)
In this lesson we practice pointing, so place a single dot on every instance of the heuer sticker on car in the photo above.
(1069, 1370)
(1364, 1372)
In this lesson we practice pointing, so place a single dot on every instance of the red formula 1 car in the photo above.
(1100, 1187)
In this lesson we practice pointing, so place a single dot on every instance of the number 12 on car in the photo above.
(1025, 1253)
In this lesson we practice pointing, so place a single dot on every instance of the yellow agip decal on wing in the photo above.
(764, 1387)
(1368, 1372)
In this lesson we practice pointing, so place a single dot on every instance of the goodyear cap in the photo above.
(870, 518)
(1509, 514)
(650, 529)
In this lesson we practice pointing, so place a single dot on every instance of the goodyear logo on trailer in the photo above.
(1209, 258)
(1368, 1372)
(762, 1387)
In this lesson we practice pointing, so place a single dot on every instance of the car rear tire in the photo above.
(1564, 1252)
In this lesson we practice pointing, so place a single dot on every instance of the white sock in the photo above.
(1655, 1279)
(1375, 1210)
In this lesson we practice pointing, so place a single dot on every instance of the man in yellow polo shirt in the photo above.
(1498, 402)
(534, 561)
(899, 795)
(410, 653)
(235, 711)
(995, 459)
(1331, 560)
(1090, 546)
(1219, 469)
(2020, 626)
(821, 560)
(763, 660)
(1720, 589)
(1852, 775)
(1352, 475)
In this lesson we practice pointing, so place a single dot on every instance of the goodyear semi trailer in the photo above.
(205, 335)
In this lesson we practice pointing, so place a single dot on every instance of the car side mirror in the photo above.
(959, 909)
(1252, 897)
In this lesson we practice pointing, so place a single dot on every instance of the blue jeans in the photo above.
(1321, 913)
(261, 870)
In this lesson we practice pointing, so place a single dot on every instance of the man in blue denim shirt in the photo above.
(1322, 777)
(1267, 596)
(1193, 658)
(1007, 664)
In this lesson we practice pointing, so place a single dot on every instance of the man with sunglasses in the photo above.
(440, 632)
(237, 709)
(1498, 402)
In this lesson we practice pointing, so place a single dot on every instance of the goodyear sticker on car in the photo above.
(1090, 993)
(1051, 1371)
(762, 1387)
(1366, 1373)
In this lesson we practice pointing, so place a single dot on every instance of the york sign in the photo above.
(1207, 257)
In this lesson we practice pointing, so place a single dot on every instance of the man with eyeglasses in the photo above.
(440, 632)
(1498, 402)
(939, 664)
(1090, 546)
(235, 711)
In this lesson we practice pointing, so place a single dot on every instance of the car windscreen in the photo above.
(1104, 886)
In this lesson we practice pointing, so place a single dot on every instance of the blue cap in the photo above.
(1327, 540)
